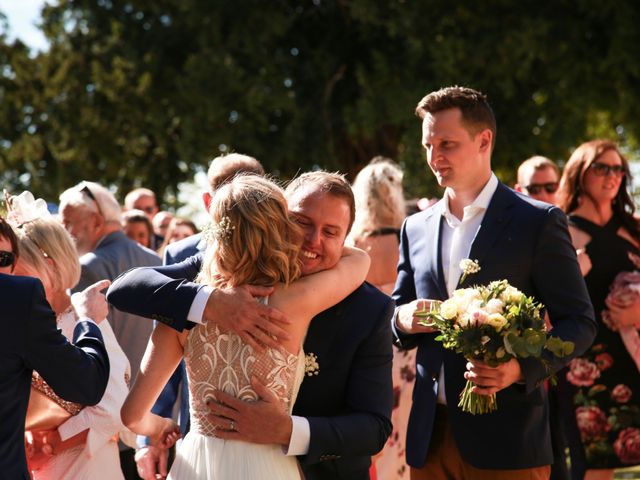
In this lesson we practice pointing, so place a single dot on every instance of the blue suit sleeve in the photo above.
(162, 293)
(560, 286)
(78, 373)
(404, 292)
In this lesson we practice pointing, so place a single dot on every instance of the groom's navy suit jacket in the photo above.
(526, 243)
(31, 341)
(348, 403)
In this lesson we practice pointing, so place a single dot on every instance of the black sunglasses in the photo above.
(536, 188)
(7, 258)
(603, 170)
(87, 190)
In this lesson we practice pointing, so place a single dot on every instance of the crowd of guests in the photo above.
(592, 424)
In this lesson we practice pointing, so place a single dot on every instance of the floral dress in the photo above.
(600, 391)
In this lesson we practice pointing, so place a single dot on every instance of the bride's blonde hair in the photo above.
(252, 239)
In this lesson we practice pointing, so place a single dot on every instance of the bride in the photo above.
(252, 241)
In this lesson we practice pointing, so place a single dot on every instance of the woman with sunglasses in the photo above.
(600, 391)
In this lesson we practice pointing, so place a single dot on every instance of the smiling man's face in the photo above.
(325, 220)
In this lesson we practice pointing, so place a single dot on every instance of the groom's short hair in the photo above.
(473, 105)
(333, 183)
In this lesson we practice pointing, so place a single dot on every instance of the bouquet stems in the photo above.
(475, 404)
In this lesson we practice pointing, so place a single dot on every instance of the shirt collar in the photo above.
(480, 203)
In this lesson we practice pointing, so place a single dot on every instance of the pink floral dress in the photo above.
(602, 388)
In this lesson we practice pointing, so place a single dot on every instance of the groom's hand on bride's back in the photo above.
(236, 309)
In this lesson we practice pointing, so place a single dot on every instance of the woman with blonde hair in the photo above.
(380, 211)
(252, 240)
(600, 392)
(65, 440)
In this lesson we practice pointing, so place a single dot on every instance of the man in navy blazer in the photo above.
(512, 237)
(31, 341)
(342, 414)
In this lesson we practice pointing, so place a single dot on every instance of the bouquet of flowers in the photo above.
(494, 324)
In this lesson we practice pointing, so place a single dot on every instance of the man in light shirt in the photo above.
(512, 238)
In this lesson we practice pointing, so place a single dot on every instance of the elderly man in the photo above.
(91, 214)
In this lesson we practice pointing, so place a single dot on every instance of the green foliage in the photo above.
(140, 92)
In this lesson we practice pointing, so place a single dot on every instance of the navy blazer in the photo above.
(527, 243)
(348, 404)
(31, 341)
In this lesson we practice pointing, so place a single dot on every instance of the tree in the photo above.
(139, 92)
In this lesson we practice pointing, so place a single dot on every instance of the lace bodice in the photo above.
(220, 360)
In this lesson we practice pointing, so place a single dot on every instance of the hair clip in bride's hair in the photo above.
(218, 231)
(24, 208)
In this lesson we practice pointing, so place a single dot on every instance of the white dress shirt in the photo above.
(457, 238)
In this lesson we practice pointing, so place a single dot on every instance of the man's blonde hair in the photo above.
(252, 239)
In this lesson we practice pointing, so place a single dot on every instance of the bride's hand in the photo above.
(168, 434)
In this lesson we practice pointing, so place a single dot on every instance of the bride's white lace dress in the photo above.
(219, 360)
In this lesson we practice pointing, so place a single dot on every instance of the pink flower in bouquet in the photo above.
(592, 422)
(621, 393)
(582, 372)
(627, 446)
(604, 361)
(478, 317)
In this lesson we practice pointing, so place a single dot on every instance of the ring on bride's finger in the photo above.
(232, 425)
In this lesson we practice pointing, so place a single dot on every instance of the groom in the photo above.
(342, 413)
(512, 237)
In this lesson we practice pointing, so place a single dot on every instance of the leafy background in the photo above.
(136, 92)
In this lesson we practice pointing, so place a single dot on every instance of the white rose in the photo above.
(449, 309)
(511, 295)
(494, 305)
(497, 321)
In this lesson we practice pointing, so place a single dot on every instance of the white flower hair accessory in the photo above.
(24, 208)
(468, 267)
(218, 231)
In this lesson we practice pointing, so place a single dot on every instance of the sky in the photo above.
(22, 16)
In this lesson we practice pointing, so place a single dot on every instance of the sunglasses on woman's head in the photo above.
(536, 188)
(603, 170)
(7, 258)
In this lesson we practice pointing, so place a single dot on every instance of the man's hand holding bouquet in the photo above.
(492, 324)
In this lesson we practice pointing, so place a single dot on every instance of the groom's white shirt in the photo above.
(301, 431)
(457, 238)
